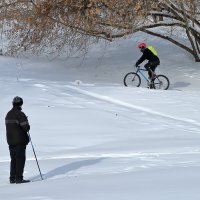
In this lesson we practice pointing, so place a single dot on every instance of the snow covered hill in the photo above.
(95, 138)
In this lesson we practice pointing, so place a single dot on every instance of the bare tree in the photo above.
(176, 17)
(40, 25)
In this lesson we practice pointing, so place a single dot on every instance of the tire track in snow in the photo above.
(111, 155)
(131, 106)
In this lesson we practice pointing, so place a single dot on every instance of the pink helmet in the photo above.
(142, 45)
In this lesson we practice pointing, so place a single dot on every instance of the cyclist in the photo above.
(150, 54)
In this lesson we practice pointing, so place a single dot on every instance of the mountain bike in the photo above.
(133, 79)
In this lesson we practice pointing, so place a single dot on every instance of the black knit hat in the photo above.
(17, 101)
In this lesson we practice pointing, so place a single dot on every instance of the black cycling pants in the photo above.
(151, 66)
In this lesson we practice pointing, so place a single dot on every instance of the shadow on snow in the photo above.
(67, 168)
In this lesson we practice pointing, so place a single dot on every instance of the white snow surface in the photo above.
(98, 140)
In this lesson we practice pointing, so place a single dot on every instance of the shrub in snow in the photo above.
(78, 82)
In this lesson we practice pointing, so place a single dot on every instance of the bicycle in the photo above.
(133, 79)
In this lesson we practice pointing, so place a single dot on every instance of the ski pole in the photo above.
(35, 156)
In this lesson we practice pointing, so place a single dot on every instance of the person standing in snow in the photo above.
(17, 127)
(150, 54)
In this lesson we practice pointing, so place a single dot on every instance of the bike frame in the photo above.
(139, 71)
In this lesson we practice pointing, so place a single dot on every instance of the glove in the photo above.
(136, 65)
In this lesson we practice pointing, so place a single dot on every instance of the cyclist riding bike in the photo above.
(150, 54)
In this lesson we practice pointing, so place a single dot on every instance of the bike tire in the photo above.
(132, 80)
(161, 82)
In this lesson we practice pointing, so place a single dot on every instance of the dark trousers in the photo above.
(151, 66)
(18, 159)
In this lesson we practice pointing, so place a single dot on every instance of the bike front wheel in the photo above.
(161, 82)
(132, 80)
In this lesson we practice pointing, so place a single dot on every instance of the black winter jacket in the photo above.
(148, 55)
(17, 126)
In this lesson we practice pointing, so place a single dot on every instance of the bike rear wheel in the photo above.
(132, 80)
(161, 82)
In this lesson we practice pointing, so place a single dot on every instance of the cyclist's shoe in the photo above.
(151, 86)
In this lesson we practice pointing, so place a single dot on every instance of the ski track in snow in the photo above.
(131, 106)
(71, 99)
(111, 155)
(114, 101)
